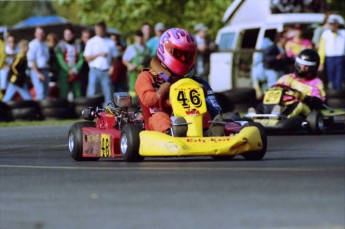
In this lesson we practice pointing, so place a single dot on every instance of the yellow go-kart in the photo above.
(187, 99)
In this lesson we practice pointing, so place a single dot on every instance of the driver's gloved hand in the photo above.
(163, 90)
(313, 102)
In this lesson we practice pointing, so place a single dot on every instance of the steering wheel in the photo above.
(289, 93)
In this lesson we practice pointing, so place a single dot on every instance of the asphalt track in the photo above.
(299, 184)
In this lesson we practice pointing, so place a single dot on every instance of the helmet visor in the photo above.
(183, 56)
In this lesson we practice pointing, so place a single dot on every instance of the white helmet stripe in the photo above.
(305, 62)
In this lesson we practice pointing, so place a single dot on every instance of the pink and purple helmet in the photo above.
(177, 51)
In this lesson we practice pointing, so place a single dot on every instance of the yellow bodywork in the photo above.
(154, 143)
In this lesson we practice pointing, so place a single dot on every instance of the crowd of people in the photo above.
(328, 40)
(84, 66)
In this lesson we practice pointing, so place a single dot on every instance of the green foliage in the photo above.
(129, 15)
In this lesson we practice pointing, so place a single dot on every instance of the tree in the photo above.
(129, 15)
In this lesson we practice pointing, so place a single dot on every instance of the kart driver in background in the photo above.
(174, 60)
(312, 94)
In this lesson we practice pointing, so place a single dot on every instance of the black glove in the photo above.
(313, 102)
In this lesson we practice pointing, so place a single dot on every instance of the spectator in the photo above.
(202, 58)
(100, 52)
(17, 75)
(119, 77)
(84, 72)
(2, 60)
(297, 43)
(319, 30)
(332, 52)
(38, 62)
(147, 31)
(135, 58)
(152, 44)
(52, 41)
(70, 60)
(274, 60)
(10, 52)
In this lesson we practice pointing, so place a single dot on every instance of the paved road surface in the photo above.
(299, 184)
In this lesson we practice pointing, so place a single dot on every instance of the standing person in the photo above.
(332, 53)
(119, 77)
(70, 60)
(10, 52)
(17, 75)
(152, 44)
(297, 43)
(84, 72)
(274, 60)
(52, 41)
(100, 52)
(2, 60)
(38, 62)
(135, 58)
(202, 58)
(146, 28)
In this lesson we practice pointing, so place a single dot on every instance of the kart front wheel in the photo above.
(316, 122)
(75, 141)
(257, 155)
(130, 142)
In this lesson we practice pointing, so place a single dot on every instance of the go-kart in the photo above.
(119, 132)
(315, 121)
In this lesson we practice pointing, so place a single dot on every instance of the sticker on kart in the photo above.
(273, 97)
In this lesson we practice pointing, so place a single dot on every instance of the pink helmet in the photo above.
(177, 50)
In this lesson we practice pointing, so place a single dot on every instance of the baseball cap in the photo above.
(200, 26)
(159, 27)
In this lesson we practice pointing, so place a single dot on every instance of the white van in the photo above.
(240, 40)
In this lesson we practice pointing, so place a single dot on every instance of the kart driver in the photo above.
(174, 60)
(311, 89)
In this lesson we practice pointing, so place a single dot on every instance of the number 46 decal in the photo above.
(194, 98)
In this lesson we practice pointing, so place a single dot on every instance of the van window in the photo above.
(249, 38)
(226, 41)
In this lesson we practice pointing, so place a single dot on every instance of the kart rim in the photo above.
(124, 144)
(71, 142)
(320, 124)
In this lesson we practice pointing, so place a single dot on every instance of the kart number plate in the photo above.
(105, 145)
(273, 97)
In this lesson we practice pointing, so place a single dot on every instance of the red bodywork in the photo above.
(102, 140)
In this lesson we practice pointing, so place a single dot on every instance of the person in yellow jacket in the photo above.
(2, 58)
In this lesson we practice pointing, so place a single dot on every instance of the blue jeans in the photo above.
(41, 87)
(335, 71)
(12, 89)
(3, 78)
(97, 77)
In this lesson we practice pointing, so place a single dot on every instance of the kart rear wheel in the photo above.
(316, 122)
(75, 141)
(257, 155)
(130, 142)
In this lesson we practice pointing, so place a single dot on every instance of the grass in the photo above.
(39, 123)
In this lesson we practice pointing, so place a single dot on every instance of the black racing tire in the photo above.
(223, 158)
(335, 94)
(224, 102)
(241, 95)
(25, 110)
(257, 155)
(75, 141)
(58, 113)
(336, 103)
(316, 122)
(5, 113)
(130, 142)
(95, 101)
(53, 103)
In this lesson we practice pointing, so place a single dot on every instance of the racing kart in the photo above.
(119, 132)
(315, 122)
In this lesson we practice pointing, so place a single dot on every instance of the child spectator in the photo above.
(17, 75)
(10, 52)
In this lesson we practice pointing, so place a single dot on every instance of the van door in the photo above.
(221, 63)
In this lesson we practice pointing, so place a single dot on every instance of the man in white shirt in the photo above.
(38, 57)
(100, 52)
